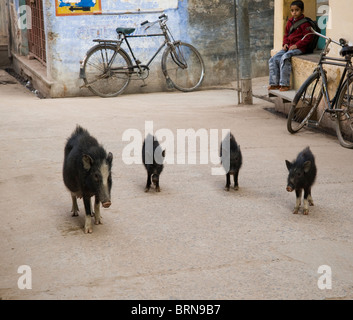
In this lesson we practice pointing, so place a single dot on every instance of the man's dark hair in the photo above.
(298, 3)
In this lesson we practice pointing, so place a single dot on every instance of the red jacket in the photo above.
(296, 37)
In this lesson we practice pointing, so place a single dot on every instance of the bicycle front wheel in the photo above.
(305, 103)
(183, 66)
(344, 118)
(107, 71)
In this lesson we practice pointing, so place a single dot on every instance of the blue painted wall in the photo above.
(69, 38)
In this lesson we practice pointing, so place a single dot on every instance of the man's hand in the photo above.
(293, 47)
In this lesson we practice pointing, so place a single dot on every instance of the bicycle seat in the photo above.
(346, 51)
(125, 30)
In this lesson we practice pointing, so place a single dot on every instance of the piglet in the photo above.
(232, 160)
(302, 175)
(152, 158)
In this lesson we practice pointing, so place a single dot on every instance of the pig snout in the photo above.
(106, 204)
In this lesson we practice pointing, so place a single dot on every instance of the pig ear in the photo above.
(87, 161)
(289, 165)
(110, 158)
(307, 166)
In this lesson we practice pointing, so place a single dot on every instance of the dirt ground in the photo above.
(191, 241)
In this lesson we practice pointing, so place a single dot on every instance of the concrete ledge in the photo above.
(34, 71)
(302, 67)
(283, 100)
(286, 96)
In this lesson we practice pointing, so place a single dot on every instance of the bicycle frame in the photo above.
(144, 36)
(324, 60)
(118, 44)
(108, 67)
(167, 41)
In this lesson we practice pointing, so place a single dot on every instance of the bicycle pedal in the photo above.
(313, 124)
(143, 85)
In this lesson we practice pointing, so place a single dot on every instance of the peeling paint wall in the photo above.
(212, 29)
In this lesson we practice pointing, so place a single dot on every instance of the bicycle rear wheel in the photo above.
(305, 103)
(107, 72)
(183, 66)
(344, 119)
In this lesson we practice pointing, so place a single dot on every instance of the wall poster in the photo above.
(82, 7)
(77, 7)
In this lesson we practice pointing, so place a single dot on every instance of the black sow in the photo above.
(87, 173)
(232, 159)
(152, 158)
(302, 174)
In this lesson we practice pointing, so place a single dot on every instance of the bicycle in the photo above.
(107, 68)
(307, 100)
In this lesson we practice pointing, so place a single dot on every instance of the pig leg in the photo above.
(88, 219)
(148, 184)
(310, 199)
(97, 215)
(228, 182)
(306, 201)
(298, 193)
(90, 205)
(158, 189)
(236, 185)
(74, 208)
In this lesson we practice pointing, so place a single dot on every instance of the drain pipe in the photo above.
(244, 54)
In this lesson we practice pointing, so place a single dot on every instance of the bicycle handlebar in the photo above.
(342, 42)
(161, 17)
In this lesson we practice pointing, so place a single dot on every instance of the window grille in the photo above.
(36, 34)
